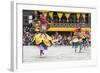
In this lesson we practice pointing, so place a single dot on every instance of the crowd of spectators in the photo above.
(62, 39)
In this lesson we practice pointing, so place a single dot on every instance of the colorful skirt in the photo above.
(42, 46)
(42, 41)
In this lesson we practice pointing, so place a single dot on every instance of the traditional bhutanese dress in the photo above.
(42, 40)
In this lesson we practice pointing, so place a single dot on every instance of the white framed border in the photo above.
(16, 48)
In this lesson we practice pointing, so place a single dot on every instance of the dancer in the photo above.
(80, 44)
(41, 39)
(75, 42)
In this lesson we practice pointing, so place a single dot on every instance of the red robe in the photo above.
(43, 21)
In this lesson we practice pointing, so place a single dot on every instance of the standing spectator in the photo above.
(81, 19)
(63, 18)
(55, 17)
(26, 38)
(48, 17)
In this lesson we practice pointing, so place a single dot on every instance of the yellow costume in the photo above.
(42, 38)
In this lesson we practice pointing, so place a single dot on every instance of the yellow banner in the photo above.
(68, 29)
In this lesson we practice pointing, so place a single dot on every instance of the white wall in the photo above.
(5, 34)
